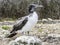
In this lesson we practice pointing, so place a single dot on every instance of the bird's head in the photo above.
(32, 7)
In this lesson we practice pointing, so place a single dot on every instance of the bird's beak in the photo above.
(39, 6)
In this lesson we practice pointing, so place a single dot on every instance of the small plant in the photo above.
(40, 30)
(5, 27)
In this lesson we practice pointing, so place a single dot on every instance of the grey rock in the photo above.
(26, 40)
(51, 38)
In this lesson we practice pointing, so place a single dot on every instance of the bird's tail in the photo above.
(12, 31)
(11, 35)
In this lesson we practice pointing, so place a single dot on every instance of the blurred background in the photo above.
(18, 8)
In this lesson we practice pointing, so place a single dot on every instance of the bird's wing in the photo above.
(20, 24)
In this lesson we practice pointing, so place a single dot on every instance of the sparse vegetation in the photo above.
(40, 30)
(18, 8)
(5, 27)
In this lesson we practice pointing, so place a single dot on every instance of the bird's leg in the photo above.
(27, 32)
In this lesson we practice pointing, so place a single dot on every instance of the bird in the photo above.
(26, 23)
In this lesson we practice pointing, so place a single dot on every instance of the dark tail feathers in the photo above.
(11, 35)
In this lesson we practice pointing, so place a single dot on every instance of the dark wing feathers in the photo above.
(19, 25)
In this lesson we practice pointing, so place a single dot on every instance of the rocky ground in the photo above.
(49, 33)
